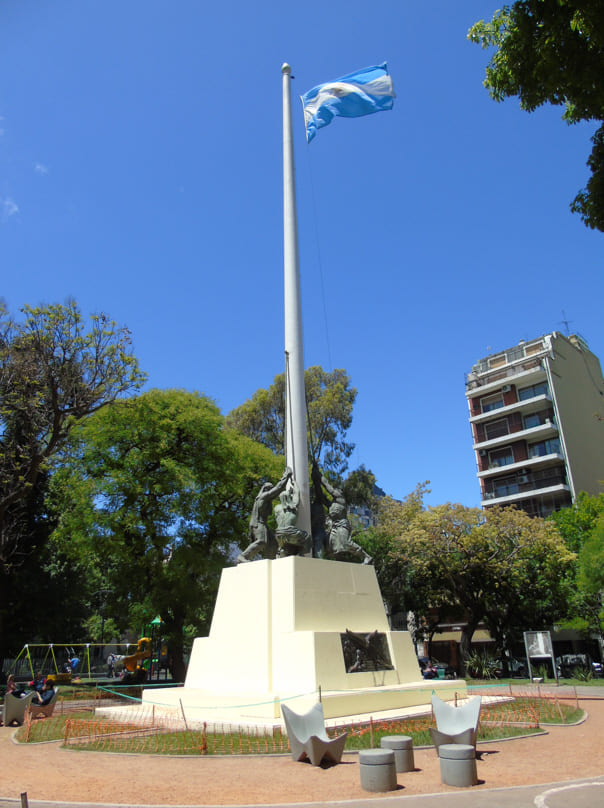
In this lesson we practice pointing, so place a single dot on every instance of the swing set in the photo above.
(82, 659)
(142, 660)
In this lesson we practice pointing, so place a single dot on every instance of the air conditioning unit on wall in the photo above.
(483, 453)
(506, 388)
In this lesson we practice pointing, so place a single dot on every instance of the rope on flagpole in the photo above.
(289, 461)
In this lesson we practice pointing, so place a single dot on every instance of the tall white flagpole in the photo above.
(296, 451)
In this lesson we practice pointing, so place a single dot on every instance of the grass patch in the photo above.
(49, 729)
(595, 683)
(84, 730)
(545, 711)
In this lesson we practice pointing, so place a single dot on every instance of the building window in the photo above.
(495, 429)
(515, 353)
(505, 487)
(501, 457)
(545, 478)
(497, 361)
(538, 418)
(535, 348)
(544, 447)
(534, 419)
(490, 403)
(532, 391)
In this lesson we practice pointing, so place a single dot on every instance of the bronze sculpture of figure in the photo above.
(261, 537)
(366, 652)
(339, 529)
(331, 533)
(290, 538)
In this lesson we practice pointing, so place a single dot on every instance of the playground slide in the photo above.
(132, 662)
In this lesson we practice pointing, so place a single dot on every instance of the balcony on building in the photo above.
(528, 482)
(531, 427)
(485, 411)
(518, 364)
(515, 454)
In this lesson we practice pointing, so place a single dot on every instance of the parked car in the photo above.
(569, 665)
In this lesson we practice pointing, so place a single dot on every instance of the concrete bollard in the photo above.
(458, 764)
(378, 769)
(402, 746)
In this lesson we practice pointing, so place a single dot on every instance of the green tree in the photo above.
(498, 566)
(330, 399)
(552, 52)
(577, 522)
(154, 499)
(590, 579)
(529, 585)
(54, 371)
(580, 527)
(360, 488)
(401, 588)
(587, 606)
(591, 560)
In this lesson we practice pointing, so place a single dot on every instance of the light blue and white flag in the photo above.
(361, 93)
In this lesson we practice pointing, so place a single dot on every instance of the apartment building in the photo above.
(537, 419)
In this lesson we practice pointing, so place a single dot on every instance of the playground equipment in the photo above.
(62, 662)
(137, 664)
(159, 657)
(150, 658)
(55, 660)
(143, 651)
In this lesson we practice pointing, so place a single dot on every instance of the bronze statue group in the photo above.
(330, 527)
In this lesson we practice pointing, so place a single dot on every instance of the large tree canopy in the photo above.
(552, 52)
(577, 522)
(52, 373)
(591, 567)
(154, 496)
(582, 528)
(402, 590)
(499, 566)
(330, 399)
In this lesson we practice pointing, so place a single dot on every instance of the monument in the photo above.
(298, 629)
(287, 626)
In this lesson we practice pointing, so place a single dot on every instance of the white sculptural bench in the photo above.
(308, 738)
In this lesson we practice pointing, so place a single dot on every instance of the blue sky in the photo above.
(141, 174)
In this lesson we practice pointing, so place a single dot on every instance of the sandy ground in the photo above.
(47, 772)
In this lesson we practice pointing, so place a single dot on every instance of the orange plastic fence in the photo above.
(169, 732)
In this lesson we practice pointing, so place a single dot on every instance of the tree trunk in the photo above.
(175, 629)
(465, 644)
(178, 669)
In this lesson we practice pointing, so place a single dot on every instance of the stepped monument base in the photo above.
(297, 630)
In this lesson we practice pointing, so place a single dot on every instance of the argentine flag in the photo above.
(361, 93)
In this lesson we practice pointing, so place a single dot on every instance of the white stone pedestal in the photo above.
(276, 636)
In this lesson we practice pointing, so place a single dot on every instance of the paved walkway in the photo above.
(565, 766)
(580, 793)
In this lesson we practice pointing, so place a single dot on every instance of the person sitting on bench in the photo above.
(45, 697)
